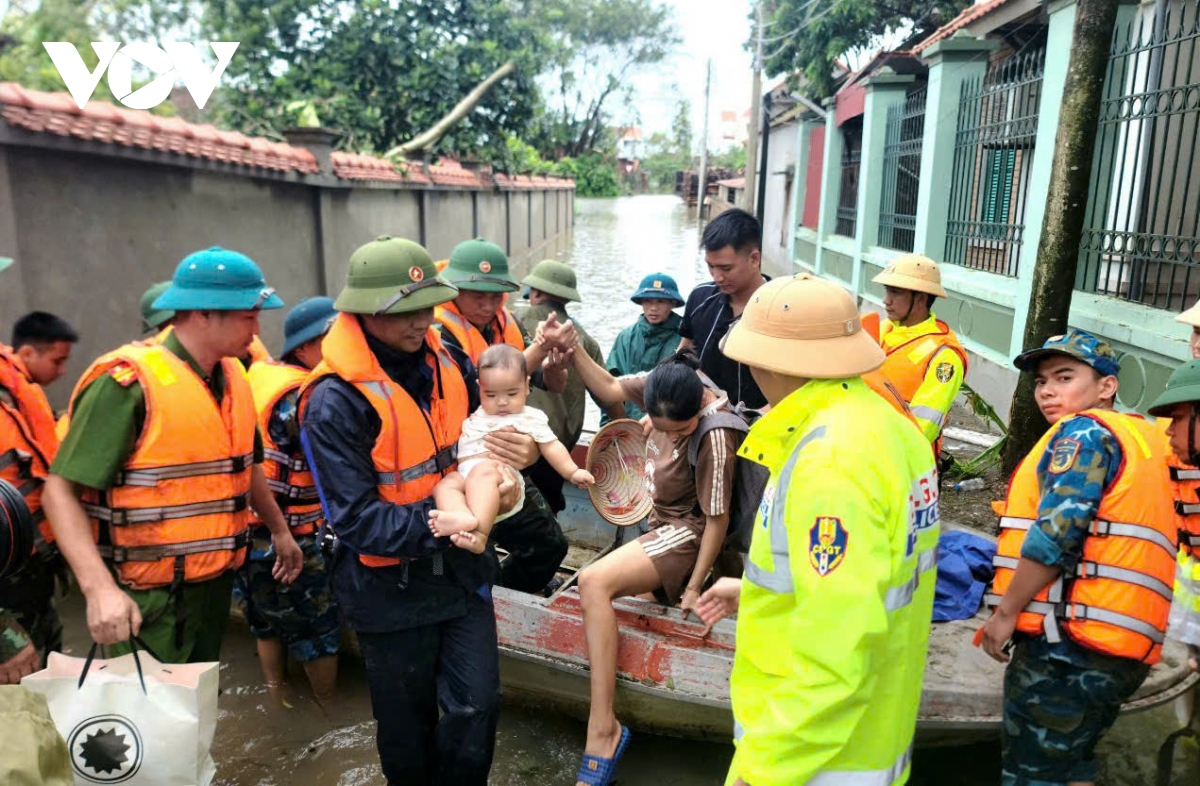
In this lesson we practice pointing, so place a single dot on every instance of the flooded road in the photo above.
(615, 243)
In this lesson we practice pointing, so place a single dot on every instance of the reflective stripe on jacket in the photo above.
(415, 449)
(1184, 621)
(1119, 597)
(504, 330)
(180, 508)
(28, 439)
(838, 591)
(289, 476)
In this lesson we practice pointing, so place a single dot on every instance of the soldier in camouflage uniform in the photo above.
(1061, 698)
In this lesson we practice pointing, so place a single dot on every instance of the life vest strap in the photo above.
(1012, 522)
(1102, 529)
(119, 554)
(1191, 539)
(1094, 570)
(1187, 508)
(1179, 473)
(29, 486)
(124, 516)
(440, 462)
(151, 477)
(19, 457)
(293, 493)
(295, 520)
(1079, 612)
(284, 460)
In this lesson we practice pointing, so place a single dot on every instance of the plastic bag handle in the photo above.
(134, 641)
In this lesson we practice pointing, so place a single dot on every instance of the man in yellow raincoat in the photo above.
(838, 588)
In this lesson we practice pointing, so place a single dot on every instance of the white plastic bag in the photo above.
(133, 720)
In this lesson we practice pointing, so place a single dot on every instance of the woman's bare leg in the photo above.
(626, 571)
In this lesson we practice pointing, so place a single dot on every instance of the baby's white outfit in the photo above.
(472, 449)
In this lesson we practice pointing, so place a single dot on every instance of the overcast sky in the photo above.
(709, 28)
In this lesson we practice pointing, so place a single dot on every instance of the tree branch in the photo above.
(428, 139)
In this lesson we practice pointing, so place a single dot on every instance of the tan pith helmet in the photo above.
(1191, 316)
(914, 272)
(803, 326)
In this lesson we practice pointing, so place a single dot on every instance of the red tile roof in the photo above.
(968, 15)
(57, 113)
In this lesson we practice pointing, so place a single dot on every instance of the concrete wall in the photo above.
(781, 158)
(91, 231)
(518, 222)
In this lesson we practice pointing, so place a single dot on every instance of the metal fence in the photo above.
(1141, 238)
(902, 172)
(993, 154)
(847, 210)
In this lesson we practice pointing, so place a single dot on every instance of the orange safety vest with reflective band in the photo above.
(1185, 490)
(880, 384)
(1119, 596)
(908, 363)
(471, 339)
(179, 509)
(28, 439)
(289, 477)
(414, 449)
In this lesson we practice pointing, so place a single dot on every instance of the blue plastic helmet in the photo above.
(307, 320)
(218, 280)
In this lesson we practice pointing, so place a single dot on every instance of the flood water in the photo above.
(615, 243)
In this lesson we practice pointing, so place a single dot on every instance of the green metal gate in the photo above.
(1141, 239)
(993, 154)
(902, 172)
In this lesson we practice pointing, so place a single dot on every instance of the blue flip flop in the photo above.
(597, 771)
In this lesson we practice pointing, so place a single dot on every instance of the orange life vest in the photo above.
(1118, 599)
(1185, 490)
(179, 510)
(414, 449)
(505, 330)
(907, 364)
(289, 476)
(28, 439)
(880, 384)
(258, 350)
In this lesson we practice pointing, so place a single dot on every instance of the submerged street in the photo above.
(615, 242)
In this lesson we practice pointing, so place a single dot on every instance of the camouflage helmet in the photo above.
(391, 275)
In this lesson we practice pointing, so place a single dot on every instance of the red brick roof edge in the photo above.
(969, 14)
(56, 113)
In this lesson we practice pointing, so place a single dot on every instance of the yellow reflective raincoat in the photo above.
(838, 592)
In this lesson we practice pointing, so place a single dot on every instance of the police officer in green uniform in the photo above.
(552, 286)
(217, 295)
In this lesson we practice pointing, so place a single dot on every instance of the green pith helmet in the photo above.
(391, 275)
(1182, 388)
(479, 266)
(553, 278)
(217, 279)
(153, 318)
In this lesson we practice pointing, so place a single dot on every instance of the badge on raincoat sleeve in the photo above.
(827, 544)
(1063, 454)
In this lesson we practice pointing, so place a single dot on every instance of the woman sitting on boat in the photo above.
(687, 527)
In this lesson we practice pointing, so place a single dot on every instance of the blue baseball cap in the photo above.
(217, 279)
(657, 286)
(1077, 344)
(307, 320)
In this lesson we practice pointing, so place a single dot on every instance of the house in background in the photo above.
(959, 170)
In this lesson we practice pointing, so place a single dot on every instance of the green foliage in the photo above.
(978, 466)
(592, 49)
(825, 31)
(594, 175)
(733, 158)
(681, 127)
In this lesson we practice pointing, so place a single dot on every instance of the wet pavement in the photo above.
(616, 242)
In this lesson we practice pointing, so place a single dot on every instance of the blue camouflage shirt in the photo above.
(1079, 465)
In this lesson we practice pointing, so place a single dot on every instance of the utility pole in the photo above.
(760, 208)
(755, 97)
(703, 183)
(1058, 247)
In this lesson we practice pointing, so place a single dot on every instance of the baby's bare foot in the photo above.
(447, 522)
(470, 541)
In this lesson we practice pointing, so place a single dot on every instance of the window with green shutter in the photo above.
(998, 186)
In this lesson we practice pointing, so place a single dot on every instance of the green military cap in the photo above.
(153, 318)
(479, 266)
(553, 278)
(391, 275)
(1183, 387)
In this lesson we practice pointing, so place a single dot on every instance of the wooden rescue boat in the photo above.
(674, 682)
